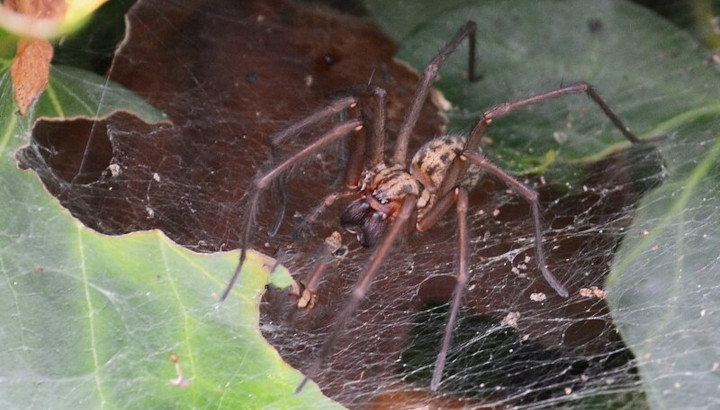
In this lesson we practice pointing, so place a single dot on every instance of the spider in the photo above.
(395, 197)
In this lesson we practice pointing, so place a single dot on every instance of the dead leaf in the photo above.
(30, 71)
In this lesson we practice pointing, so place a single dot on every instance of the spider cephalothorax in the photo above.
(381, 192)
(383, 188)
(396, 196)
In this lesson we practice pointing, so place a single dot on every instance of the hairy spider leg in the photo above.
(306, 290)
(314, 214)
(362, 285)
(353, 170)
(261, 182)
(375, 146)
(429, 76)
(461, 204)
(531, 197)
(295, 129)
(458, 167)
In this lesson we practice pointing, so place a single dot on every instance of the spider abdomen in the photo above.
(431, 162)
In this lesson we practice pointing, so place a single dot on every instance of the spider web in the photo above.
(232, 74)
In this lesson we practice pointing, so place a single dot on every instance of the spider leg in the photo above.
(458, 168)
(280, 187)
(314, 214)
(363, 284)
(261, 182)
(532, 197)
(461, 198)
(375, 147)
(433, 215)
(429, 76)
(295, 129)
(310, 286)
(298, 127)
(306, 292)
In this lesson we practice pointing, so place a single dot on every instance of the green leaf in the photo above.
(663, 291)
(93, 321)
(75, 93)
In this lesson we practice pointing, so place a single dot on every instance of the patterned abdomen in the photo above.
(431, 161)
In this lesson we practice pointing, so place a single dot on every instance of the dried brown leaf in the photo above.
(30, 71)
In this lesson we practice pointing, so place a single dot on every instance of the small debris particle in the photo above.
(568, 390)
(156, 177)
(560, 137)
(647, 356)
(180, 380)
(114, 169)
(593, 291)
(335, 246)
(496, 212)
(511, 319)
(334, 241)
(538, 297)
(644, 232)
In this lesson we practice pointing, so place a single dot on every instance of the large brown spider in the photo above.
(395, 196)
